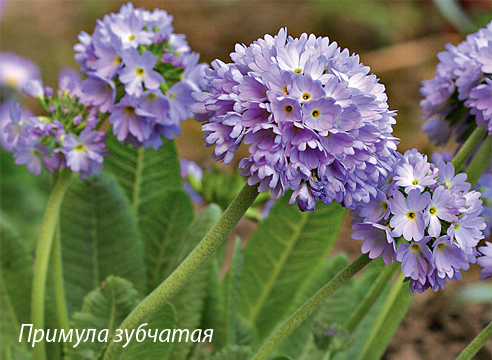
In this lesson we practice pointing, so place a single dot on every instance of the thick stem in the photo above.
(468, 147)
(43, 251)
(58, 283)
(476, 344)
(371, 297)
(175, 282)
(480, 162)
(310, 306)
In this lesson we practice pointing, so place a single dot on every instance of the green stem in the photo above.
(175, 282)
(43, 251)
(476, 344)
(58, 284)
(371, 297)
(480, 162)
(310, 306)
(468, 147)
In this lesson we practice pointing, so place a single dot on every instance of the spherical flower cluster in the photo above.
(424, 217)
(67, 137)
(141, 73)
(459, 97)
(316, 122)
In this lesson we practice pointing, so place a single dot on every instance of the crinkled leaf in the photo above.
(152, 182)
(103, 308)
(280, 256)
(99, 238)
(190, 301)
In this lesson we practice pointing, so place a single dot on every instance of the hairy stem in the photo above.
(58, 284)
(175, 282)
(310, 306)
(476, 344)
(43, 252)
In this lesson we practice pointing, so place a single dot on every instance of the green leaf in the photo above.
(213, 313)
(234, 353)
(148, 349)
(99, 238)
(388, 320)
(16, 353)
(190, 301)
(103, 308)
(152, 182)
(162, 231)
(15, 288)
(230, 288)
(280, 255)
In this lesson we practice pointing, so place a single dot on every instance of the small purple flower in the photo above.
(378, 240)
(448, 257)
(84, 150)
(34, 88)
(408, 217)
(415, 260)
(440, 208)
(140, 69)
(128, 117)
(33, 154)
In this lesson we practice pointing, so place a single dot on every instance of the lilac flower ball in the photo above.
(424, 217)
(133, 57)
(459, 97)
(313, 118)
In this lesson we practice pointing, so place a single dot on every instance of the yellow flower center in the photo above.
(130, 110)
(415, 247)
(140, 71)
(118, 60)
(432, 210)
(131, 37)
(306, 96)
(415, 182)
(411, 215)
(440, 246)
(315, 113)
(288, 108)
(79, 147)
(152, 96)
(298, 70)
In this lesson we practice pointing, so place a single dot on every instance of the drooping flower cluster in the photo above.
(459, 97)
(316, 122)
(424, 217)
(141, 73)
(66, 137)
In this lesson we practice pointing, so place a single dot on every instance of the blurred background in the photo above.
(399, 40)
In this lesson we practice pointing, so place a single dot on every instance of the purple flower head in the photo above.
(438, 224)
(137, 50)
(128, 117)
(15, 71)
(460, 93)
(316, 122)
